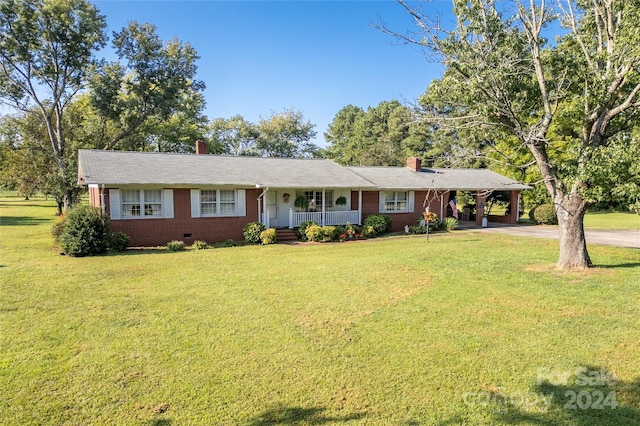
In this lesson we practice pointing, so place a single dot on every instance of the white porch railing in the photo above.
(326, 218)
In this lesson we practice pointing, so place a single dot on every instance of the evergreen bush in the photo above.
(380, 222)
(85, 232)
(252, 232)
(545, 214)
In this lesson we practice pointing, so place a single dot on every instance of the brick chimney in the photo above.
(201, 147)
(414, 164)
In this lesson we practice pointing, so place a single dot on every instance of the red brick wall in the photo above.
(371, 205)
(155, 232)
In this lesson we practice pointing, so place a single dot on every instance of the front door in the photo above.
(272, 206)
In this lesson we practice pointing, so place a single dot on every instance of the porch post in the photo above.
(265, 210)
(290, 218)
(323, 212)
(359, 206)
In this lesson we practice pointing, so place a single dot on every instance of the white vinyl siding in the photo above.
(218, 202)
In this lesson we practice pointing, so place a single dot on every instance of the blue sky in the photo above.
(259, 57)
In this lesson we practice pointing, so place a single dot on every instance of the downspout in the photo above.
(260, 212)
(102, 206)
(359, 206)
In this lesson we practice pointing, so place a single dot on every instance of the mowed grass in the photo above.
(611, 220)
(390, 331)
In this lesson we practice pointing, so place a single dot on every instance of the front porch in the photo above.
(324, 218)
(335, 206)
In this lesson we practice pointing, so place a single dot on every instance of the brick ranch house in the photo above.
(155, 198)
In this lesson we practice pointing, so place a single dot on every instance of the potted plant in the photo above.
(341, 200)
(301, 203)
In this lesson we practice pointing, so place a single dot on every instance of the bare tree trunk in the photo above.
(570, 210)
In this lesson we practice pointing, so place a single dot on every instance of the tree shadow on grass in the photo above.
(160, 422)
(618, 266)
(296, 415)
(589, 397)
(21, 220)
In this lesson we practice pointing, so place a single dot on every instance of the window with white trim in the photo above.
(396, 201)
(218, 202)
(141, 203)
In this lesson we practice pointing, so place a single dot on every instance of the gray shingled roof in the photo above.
(140, 168)
(124, 168)
(455, 179)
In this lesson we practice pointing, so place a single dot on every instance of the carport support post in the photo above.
(514, 212)
(481, 201)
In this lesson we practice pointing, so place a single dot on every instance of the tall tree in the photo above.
(150, 89)
(233, 136)
(46, 51)
(286, 134)
(509, 80)
(383, 135)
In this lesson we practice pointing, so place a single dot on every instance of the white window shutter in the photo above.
(167, 203)
(241, 202)
(195, 203)
(381, 195)
(114, 204)
(412, 196)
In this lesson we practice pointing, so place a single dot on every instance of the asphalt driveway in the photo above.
(611, 238)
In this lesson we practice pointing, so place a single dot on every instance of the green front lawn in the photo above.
(611, 220)
(466, 329)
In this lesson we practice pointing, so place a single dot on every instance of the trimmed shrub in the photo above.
(175, 245)
(418, 229)
(545, 214)
(302, 230)
(380, 222)
(331, 232)
(230, 243)
(85, 232)
(369, 231)
(268, 236)
(314, 233)
(449, 223)
(118, 241)
(199, 245)
(252, 232)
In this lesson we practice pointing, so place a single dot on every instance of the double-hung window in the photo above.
(141, 203)
(218, 202)
(396, 201)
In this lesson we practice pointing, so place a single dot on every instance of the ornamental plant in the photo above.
(302, 230)
(379, 222)
(314, 233)
(252, 232)
(430, 217)
(268, 236)
(175, 245)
